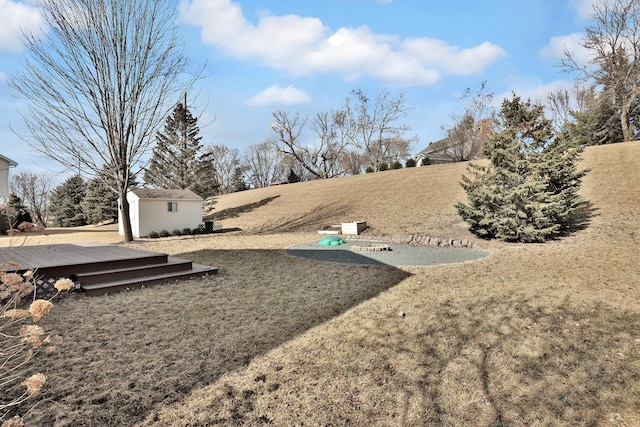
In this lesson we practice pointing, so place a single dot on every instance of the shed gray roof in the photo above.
(159, 193)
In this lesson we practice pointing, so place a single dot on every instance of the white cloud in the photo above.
(276, 95)
(535, 92)
(571, 43)
(15, 18)
(303, 46)
(584, 8)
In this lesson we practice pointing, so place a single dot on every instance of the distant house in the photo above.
(435, 153)
(159, 209)
(5, 164)
(447, 150)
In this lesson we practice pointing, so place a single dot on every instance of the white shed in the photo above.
(5, 164)
(159, 209)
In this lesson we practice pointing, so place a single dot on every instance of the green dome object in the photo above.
(331, 241)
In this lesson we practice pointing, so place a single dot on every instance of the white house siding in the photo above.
(5, 164)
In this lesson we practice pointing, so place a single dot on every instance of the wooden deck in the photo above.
(101, 269)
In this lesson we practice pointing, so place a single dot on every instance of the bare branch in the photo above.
(100, 83)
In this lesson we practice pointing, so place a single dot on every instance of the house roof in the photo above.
(160, 193)
(436, 150)
(12, 164)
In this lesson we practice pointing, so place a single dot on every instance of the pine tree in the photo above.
(19, 212)
(293, 177)
(173, 164)
(239, 181)
(529, 191)
(100, 202)
(65, 203)
(205, 184)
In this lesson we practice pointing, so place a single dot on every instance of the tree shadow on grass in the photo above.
(582, 217)
(127, 354)
(508, 361)
(319, 217)
(237, 211)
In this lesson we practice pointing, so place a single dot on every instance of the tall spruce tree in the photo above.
(529, 191)
(65, 203)
(100, 202)
(174, 160)
(206, 183)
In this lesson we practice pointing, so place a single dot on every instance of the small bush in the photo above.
(410, 163)
(22, 339)
(396, 165)
(200, 229)
(187, 231)
(177, 232)
(369, 169)
(383, 167)
(154, 235)
(164, 233)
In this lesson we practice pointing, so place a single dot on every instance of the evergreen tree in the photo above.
(18, 211)
(530, 189)
(239, 181)
(173, 164)
(206, 183)
(598, 123)
(100, 202)
(293, 177)
(65, 203)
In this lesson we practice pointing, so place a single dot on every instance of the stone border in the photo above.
(416, 240)
(370, 248)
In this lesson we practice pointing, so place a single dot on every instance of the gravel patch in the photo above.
(398, 255)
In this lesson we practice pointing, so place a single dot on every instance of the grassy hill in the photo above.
(531, 335)
(415, 200)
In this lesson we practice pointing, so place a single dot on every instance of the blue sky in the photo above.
(307, 55)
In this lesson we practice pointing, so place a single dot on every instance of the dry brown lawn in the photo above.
(532, 335)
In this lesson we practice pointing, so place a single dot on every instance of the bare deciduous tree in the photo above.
(226, 162)
(100, 83)
(288, 132)
(348, 139)
(559, 105)
(613, 42)
(379, 134)
(34, 191)
(264, 165)
(465, 139)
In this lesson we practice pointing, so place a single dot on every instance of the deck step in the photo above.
(170, 265)
(110, 286)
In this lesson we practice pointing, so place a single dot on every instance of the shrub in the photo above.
(164, 233)
(187, 231)
(200, 229)
(529, 192)
(369, 169)
(383, 167)
(176, 232)
(153, 235)
(22, 339)
(410, 163)
(396, 165)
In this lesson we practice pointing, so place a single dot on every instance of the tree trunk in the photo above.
(626, 126)
(126, 217)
